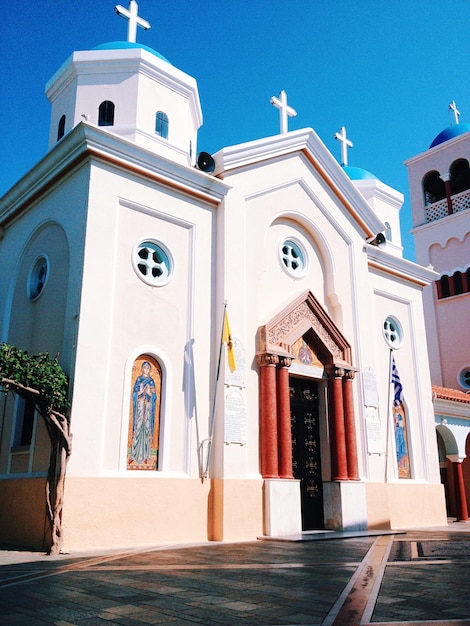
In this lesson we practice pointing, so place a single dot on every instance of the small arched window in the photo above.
(61, 128)
(106, 113)
(458, 284)
(445, 287)
(433, 188)
(161, 124)
(459, 176)
(388, 231)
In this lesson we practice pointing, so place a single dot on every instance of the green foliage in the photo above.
(38, 372)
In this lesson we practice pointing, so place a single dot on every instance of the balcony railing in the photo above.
(438, 210)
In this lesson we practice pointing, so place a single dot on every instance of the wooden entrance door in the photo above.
(306, 455)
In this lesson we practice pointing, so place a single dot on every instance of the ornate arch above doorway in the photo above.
(302, 315)
(275, 354)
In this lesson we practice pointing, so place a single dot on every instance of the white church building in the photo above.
(121, 251)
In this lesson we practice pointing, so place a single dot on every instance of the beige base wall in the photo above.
(116, 512)
(405, 505)
(121, 513)
(236, 510)
(23, 520)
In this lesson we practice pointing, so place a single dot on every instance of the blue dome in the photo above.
(357, 173)
(126, 45)
(449, 133)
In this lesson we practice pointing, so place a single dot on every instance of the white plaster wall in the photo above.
(257, 217)
(122, 317)
(386, 202)
(405, 304)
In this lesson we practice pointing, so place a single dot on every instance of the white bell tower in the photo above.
(129, 90)
(440, 201)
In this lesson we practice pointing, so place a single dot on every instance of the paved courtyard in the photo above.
(417, 577)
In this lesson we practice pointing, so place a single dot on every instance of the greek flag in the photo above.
(397, 386)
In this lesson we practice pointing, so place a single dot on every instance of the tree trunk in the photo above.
(58, 429)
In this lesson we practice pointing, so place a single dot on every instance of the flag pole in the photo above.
(389, 401)
(212, 416)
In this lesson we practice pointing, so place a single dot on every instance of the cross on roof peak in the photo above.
(285, 110)
(345, 144)
(455, 111)
(134, 20)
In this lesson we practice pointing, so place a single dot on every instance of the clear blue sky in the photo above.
(385, 70)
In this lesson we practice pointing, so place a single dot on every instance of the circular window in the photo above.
(393, 332)
(153, 263)
(464, 378)
(293, 257)
(37, 277)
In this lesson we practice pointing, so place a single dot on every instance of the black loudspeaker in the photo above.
(378, 240)
(205, 162)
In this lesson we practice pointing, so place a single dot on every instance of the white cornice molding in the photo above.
(86, 141)
(450, 409)
(304, 141)
(398, 266)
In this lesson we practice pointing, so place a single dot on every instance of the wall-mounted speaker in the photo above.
(378, 240)
(205, 162)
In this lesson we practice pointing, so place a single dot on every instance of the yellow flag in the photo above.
(227, 339)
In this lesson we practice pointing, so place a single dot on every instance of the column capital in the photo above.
(265, 358)
(350, 375)
(333, 371)
(285, 361)
(456, 458)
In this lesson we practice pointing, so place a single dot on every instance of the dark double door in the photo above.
(306, 453)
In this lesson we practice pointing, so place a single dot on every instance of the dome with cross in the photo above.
(449, 133)
(358, 173)
(126, 45)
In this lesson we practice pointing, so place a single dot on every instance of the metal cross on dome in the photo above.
(285, 110)
(134, 20)
(453, 108)
(345, 144)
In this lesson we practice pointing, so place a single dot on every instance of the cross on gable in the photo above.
(453, 108)
(345, 144)
(285, 110)
(134, 19)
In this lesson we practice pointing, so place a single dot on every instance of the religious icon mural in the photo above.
(399, 425)
(144, 414)
(305, 354)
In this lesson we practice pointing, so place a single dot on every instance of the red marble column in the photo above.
(350, 427)
(268, 415)
(339, 467)
(283, 419)
(460, 497)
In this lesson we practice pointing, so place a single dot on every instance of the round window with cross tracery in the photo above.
(153, 263)
(37, 278)
(464, 378)
(393, 332)
(293, 257)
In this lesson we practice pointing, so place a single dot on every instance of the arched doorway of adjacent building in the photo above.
(455, 470)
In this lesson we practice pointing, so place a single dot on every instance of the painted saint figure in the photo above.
(144, 399)
(401, 444)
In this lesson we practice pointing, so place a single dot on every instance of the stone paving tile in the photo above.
(417, 592)
(251, 584)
